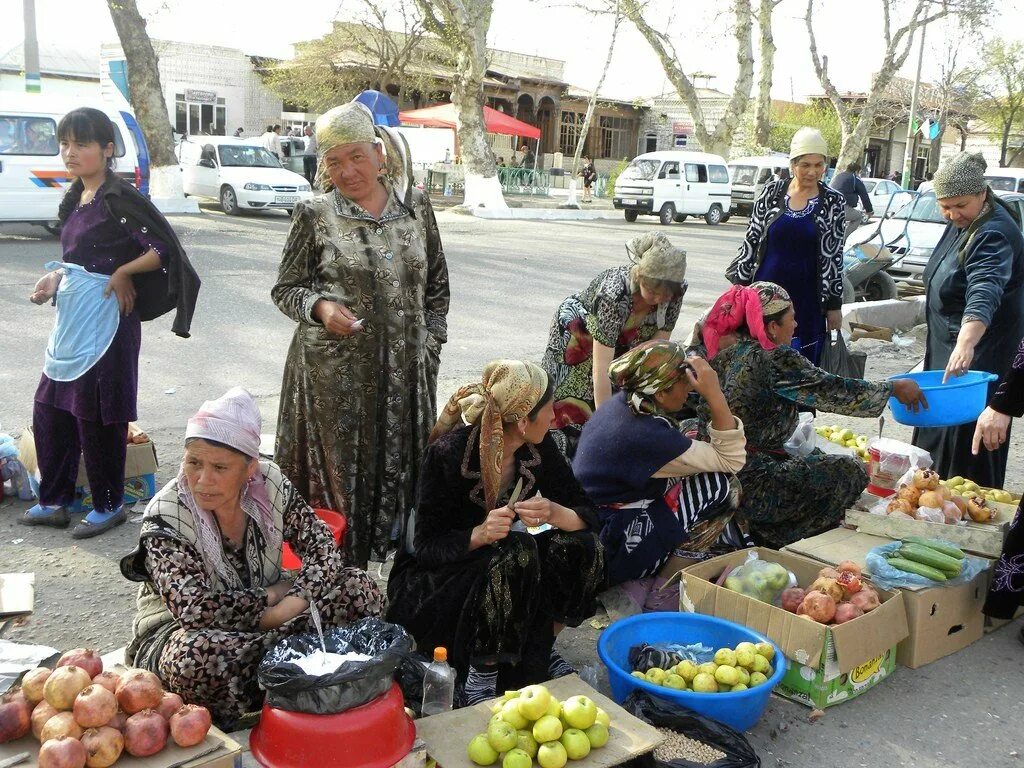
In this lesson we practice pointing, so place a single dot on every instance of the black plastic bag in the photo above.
(355, 684)
(837, 359)
(664, 714)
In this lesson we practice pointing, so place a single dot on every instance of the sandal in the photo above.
(86, 530)
(55, 517)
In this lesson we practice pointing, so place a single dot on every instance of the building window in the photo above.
(651, 142)
(193, 118)
(679, 141)
(570, 131)
(615, 132)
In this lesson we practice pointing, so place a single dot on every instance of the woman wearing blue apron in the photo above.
(111, 239)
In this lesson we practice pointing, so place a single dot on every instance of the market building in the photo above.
(63, 71)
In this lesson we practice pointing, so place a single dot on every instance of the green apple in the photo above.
(533, 701)
(576, 743)
(655, 675)
(727, 676)
(555, 707)
(746, 647)
(517, 758)
(705, 683)
(778, 576)
(756, 678)
(552, 755)
(480, 750)
(603, 718)
(510, 714)
(597, 734)
(496, 707)
(708, 668)
(760, 664)
(744, 675)
(501, 736)
(527, 743)
(579, 712)
(548, 728)
(767, 650)
(637, 673)
(725, 657)
(745, 658)
(671, 681)
(687, 670)
(733, 584)
(496, 718)
(739, 687)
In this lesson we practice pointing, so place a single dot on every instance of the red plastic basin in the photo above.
(375, 735)
(336, 522)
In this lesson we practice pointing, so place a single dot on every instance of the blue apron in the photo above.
(86, 323)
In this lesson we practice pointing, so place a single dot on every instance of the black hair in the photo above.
(549, 392)
(270, 128)
(217, 444)
(853, 167)
(86, 125)
(276, 128)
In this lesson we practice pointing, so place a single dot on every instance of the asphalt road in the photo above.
(507, 279)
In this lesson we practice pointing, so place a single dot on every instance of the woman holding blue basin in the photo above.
(975, 306)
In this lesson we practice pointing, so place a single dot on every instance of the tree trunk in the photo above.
(763, 109)
(147, 99)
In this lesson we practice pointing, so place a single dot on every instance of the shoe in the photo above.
(55, 517)
(86, 530)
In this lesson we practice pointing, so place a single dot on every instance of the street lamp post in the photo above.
(908, 155)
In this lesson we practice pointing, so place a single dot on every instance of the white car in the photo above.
(881, 191)
(239, 173)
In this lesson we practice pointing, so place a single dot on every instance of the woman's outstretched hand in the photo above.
(45, 288)
(909, 393)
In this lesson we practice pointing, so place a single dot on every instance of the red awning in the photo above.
(443, 116)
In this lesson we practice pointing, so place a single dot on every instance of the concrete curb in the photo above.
(545, 214)
(898, 314)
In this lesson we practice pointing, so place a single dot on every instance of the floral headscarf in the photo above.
(656, 258)
(744, 306)
(509, 390)
(647, 369)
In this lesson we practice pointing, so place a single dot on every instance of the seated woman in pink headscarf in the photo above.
(213, 597)
(747, 338)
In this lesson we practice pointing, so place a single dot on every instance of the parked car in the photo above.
(749, 175)
(881, 192)
(239, 173)
(673, 185)
(913, 231)
(1006, 179)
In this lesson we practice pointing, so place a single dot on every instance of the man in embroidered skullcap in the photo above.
(974, 305)
(363, 274)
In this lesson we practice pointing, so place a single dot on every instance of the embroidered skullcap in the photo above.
(647, 369)
(656, 258)
(508, 391)
(963, 174)
(232, 419)
(807, 141)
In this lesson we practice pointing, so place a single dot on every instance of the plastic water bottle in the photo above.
(438, 685)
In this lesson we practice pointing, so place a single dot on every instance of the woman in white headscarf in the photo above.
(213, 597)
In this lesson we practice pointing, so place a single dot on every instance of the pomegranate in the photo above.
(849, 581)
(102, 746)
(978, 509)
(847, 612)
(32, 684)
(64, 685)
(945, 492)
(189, 725)
(829, 586)
(910, 493)
(829, 572)
(118, 721)
(931, 500)
(848, 566)
(61, 724)
(169, 704)
(109, 680)
(43, 712)
(94, 706)
(62, 752)
(900, 507)
(819, 606)
(139, 690)
(867, 599)
(792, 597)
(145, 733)
(86, 658)
(15, 716)
(926, 479)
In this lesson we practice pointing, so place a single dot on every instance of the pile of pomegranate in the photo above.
(836, 596)
(86, 717)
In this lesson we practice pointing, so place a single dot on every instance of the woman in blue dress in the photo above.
(795, 240)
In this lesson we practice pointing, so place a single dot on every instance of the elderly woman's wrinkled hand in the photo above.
(336, 318)
(909, 393)
(702, 377)
(535, 511)
(497, 524)
(990, 431)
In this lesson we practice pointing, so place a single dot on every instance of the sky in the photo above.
(553, 28)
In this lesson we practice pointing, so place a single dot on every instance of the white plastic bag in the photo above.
(895, 460)
(930, 514)
(801, 444)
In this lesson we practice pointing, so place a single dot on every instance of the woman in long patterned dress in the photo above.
(213, 598)
(364, 276)
(621, 308)
(785, 498)
(795, 239)
(474, 574)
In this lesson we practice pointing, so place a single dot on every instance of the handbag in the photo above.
(837, 359)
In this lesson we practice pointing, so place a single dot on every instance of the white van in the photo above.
(32, 175)
(673, 185)
(240, 173)
(749, 175)
(1006, 179)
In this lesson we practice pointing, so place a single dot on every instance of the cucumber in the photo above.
(938, 546)
(909, 566)
(928, 556)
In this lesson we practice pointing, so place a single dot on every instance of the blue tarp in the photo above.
(385, 111)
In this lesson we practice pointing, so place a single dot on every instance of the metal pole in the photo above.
(33, 80)
(908, 155)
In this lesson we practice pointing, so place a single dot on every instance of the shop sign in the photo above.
(196, 96)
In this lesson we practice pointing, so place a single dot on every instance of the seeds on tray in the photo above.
(676, 745)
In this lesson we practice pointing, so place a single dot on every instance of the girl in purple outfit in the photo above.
(88, 390)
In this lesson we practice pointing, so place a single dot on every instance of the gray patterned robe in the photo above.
(356, 411)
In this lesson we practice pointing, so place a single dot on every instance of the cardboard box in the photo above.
(139, 472)
(941, 620)
(17, 594)
(447, 734)
(829, 664)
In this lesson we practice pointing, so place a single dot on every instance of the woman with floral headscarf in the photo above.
(500, 553)
(364, 276)
(621, 308)
(213, 598)
(747, 338)
(655, 488)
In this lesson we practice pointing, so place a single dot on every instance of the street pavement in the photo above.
(507, 278)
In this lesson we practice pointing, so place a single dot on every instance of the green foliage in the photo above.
(1000, 83)
(789, 118)
(609, 188)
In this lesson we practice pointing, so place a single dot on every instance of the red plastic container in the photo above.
(375, 735)
(883, 483)
(336, 522)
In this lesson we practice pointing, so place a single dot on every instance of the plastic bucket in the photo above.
(740, 709)
(959, 401)
(336, 522)
(882, 483)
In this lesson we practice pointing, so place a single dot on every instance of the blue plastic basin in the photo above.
(959, 401)
(740, 709)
